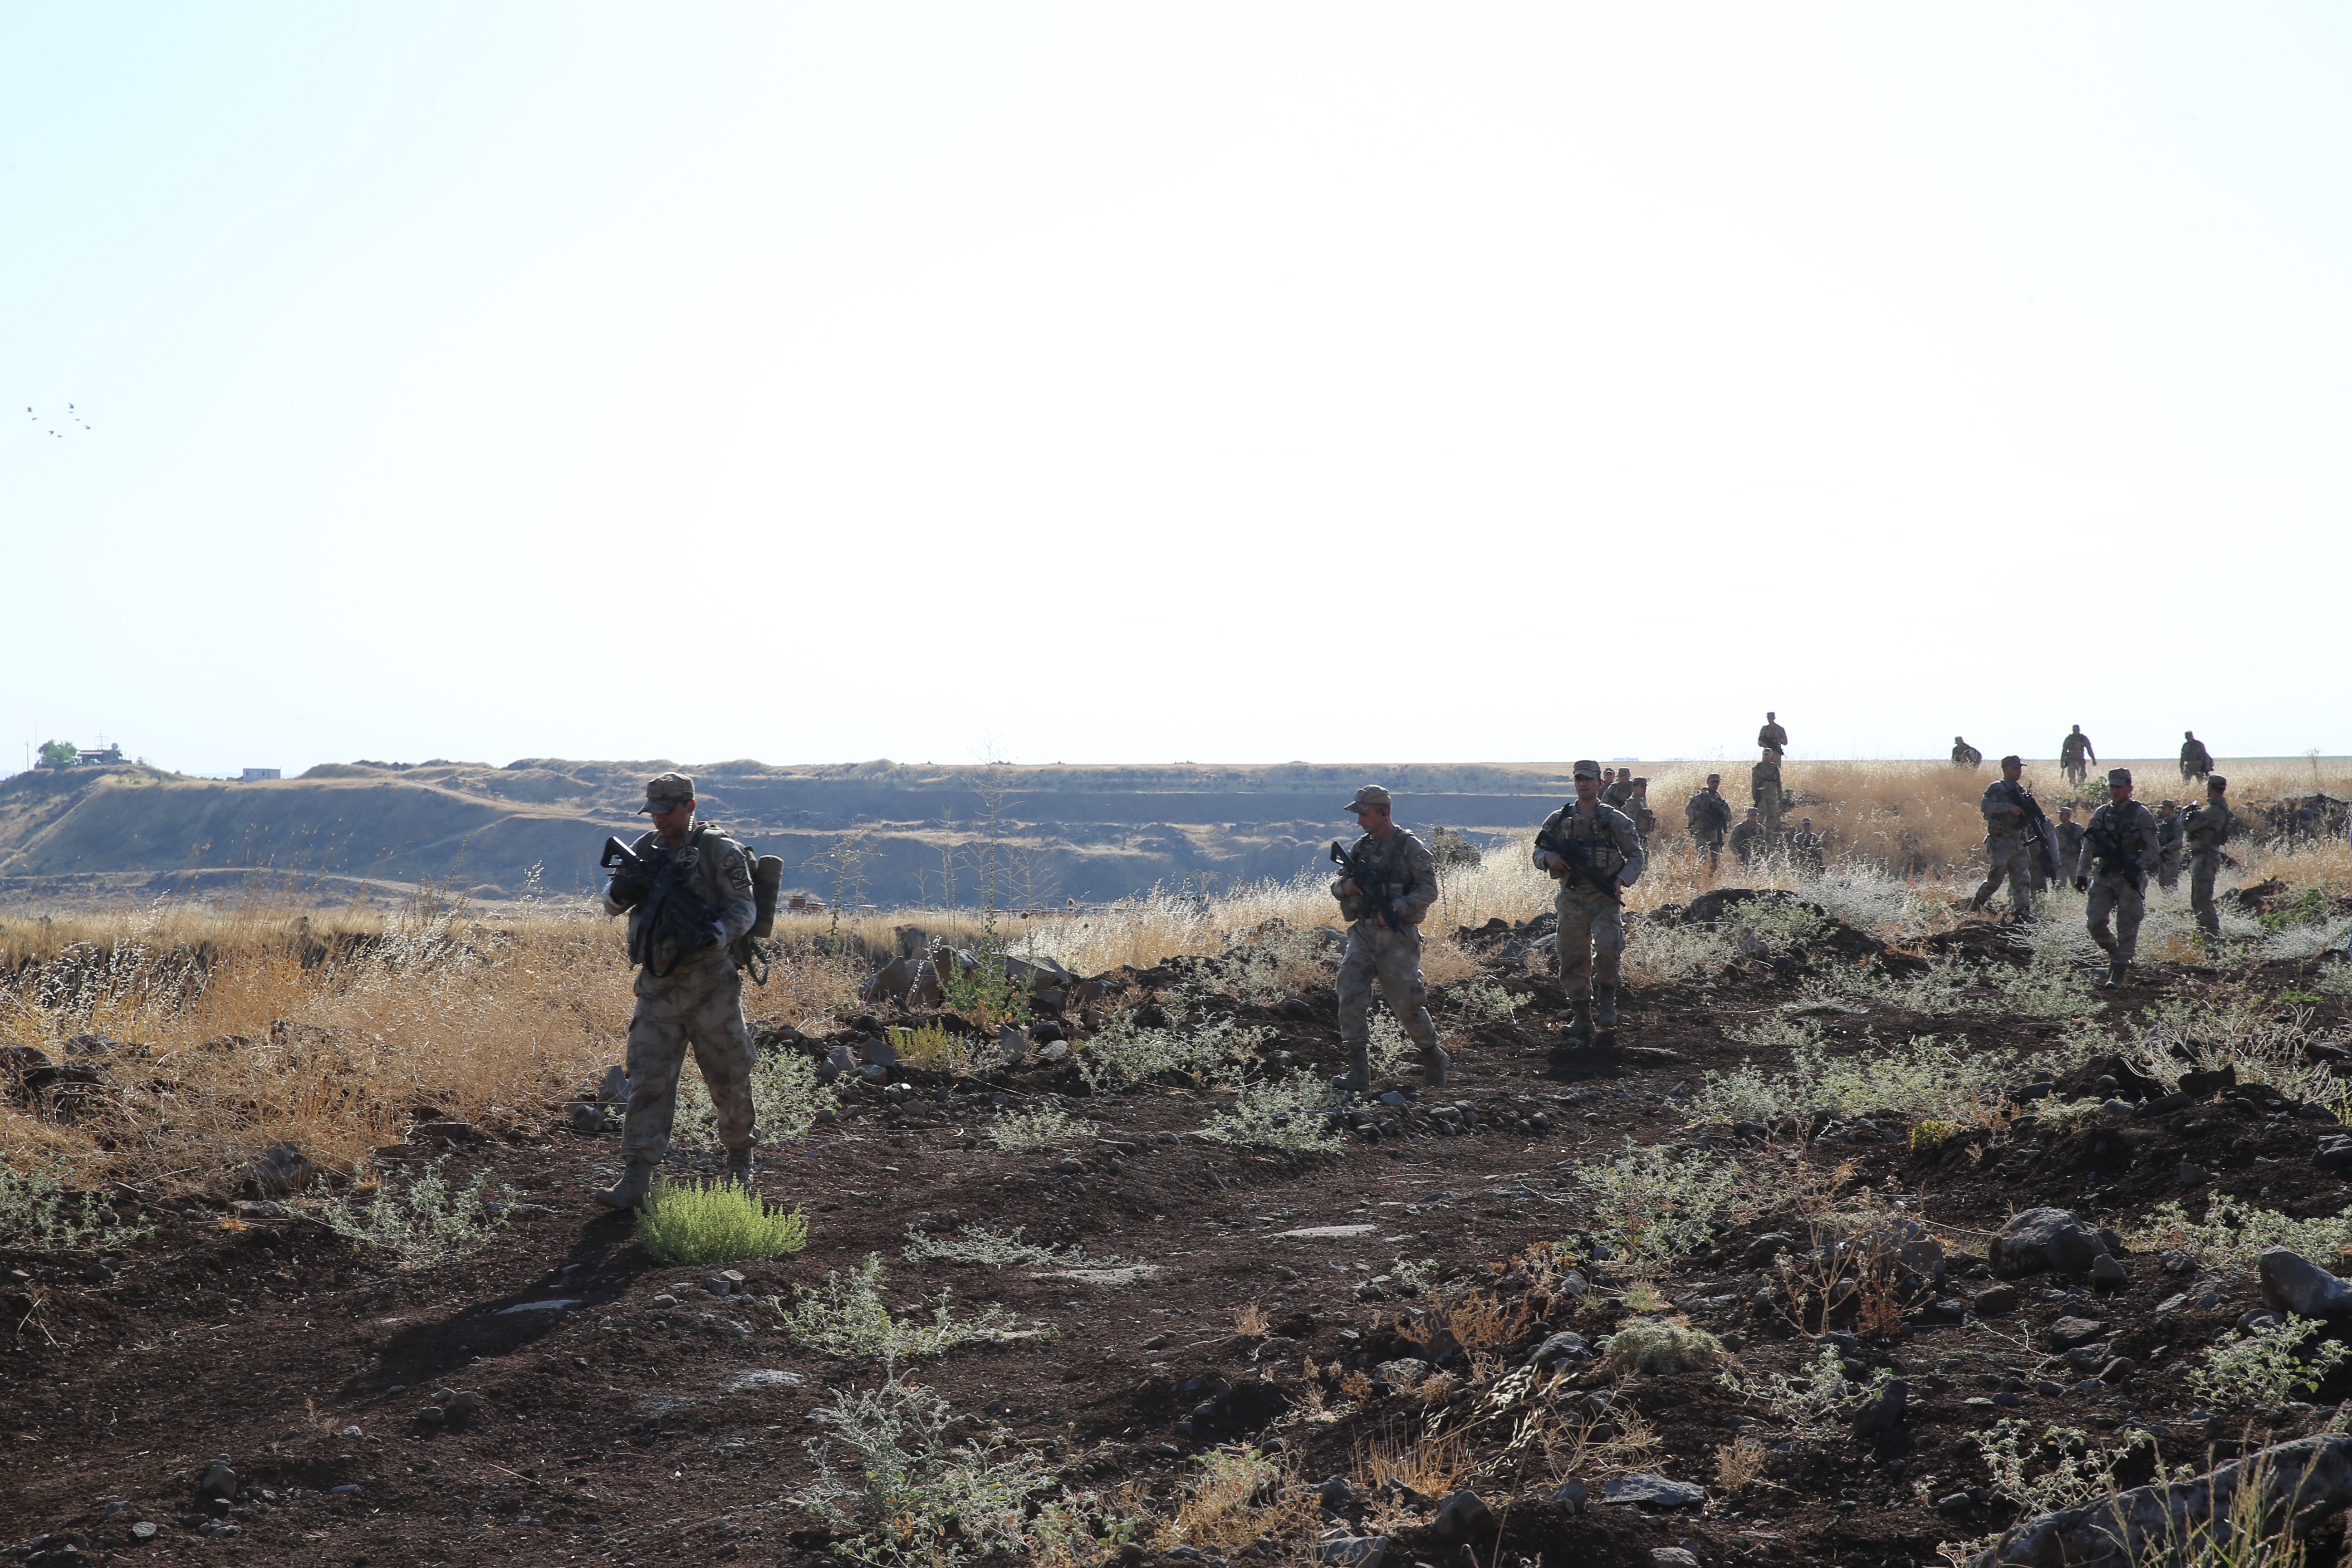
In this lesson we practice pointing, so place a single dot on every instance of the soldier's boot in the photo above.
(1604, 1009)
(2116, 969)
(1580, 1023)
(739, 1169)
(630, 1190)
(1359, 1076)
(1434, 1061)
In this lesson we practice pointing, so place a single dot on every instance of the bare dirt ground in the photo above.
(645, 1419)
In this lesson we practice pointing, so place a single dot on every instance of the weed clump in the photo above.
(38, 1213)
(699, 1223)
(428, 1221)
(1290, 1115)
(1028, 1132)
(1658, 1346)
(847, 1317)
(1649, 1203)
(978, 1244)
(786, 1100)
(2266, 1367)
(2234, 1234)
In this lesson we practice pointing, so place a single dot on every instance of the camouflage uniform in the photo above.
(1772, 738)
(2167, 850)
(1374, 954)
(1645, 820)
(1709, 816)
(698, 1005)
(2007, 853)
(2205, 828)
(2117, 891)
(1747, 840)
(1810, 849)
(2074, 756)
(2196, 762)
(1591, 925)
(1965, 755)
(2070, 845)
(1764, 785)
(1619, 793)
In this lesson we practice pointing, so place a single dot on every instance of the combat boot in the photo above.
(1359, 1076)
(629, 1192)
(1580, 1023)
(739, 1169)
(1433, 1063)
(1604, 1008)
(2116, 967)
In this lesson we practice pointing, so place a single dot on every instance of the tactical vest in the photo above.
(1592, 833)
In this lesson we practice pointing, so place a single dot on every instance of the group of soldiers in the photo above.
(2075, 755)
(1707, 814)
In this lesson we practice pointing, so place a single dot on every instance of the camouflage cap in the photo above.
(2167, 806)
(1641, 782)
(2215, 784)
(1588, 769)
(1369, 797)
(2119, 775)
(2013, 761)
(1714, 778)
(666, 792)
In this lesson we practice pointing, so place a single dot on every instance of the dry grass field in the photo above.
(229, 1027)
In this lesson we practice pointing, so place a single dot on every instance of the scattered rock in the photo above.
(2068, 1332)
(614, 1089)
(1400, 1373)
(1673, 1557)
(1652, 1491)
(1464, 1519)
(1572, 1496)
(278, 1171)
(1995, 1300)
(2191, 1176)
(2293, 1283)
(217, 1479)
(2108, 1274)
(1883, 1413)
(2045, 1240)
(448, 1133)
(1561, 1347)
(765, 1377)
(1353, 1551)
(553, 1304)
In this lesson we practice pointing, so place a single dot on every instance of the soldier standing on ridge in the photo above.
(2196, 762)
(2119, 852)
(1764, 789)
(1965, 755)
(687, 990)
(1637, 807)
(1809, 846)
(1591, 924)
(2006, 852)
(2070, 842)
(2074, 756)
(2167, 845)
(2206, 828)
(1709, 816)
(1406, 878)
(1773, 738)
(1748, 839)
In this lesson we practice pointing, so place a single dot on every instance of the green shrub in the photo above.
(1291, 1115)
(978, 1244)
(1488, 999)
(1650, 1203)
(715, 1222)
(786, 1100)
(847, 1317)
(2267, 1367)
(1028, 1132)
(1125, 1053)
(38, 1213)
(426, 1222)
(2233, 1233)
(1813, 1404)
(1658, 1346)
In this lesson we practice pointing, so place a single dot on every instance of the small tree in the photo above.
(59, 753)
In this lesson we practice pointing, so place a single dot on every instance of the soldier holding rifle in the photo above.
(2119, 851)
(2014, 826)
(1387, 883)
(1593, 851)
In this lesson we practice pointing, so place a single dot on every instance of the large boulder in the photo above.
(2293, 1283)
(2293, 1485)
(2045, 1240)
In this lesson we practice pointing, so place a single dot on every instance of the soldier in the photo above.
(2008, 818)
(2074, 756)
(1637, 806)
(1592, 924)
(2070, 841)
(2167, 845)
(1748, 839)
(1773, 738)
(687, 990)
(1764, 789)
(2196, 762)
(1709, 816)
(1407, 878)
(2206, 828)
(1809, 846)
(1965, 755)
(1618, 793)
(2119, 852)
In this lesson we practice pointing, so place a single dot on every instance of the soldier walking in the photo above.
(2119, 852)
(2196, 762)
(2167, 845)
(1603, 857)
(1637, 806)
(2075, 756)
(2006, 854)
(1618, 793)
(1773, 738)
(2070, 841)
(1404, 880)
(1748, 839)
(2206, 828)
(688, 992)
(1709, 816)
(1965, 755)
(1764, 789)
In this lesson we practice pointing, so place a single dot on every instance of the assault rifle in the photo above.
(673, 913)
(1578, 862)
(2114, 852)
(2039, 833)
(1368, 883)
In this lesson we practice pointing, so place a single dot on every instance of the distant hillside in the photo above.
(1089, 833)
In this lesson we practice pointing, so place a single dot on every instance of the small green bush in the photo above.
(40, 1214)
(1659, 1345)
(2233, 1233)
(428, 1221)
(1029, 1131)
(786, 1100)
(1290, 1115)
(1650, 1203)
(978, 1244)
(847, 1317)
(2266, 1367)
(715, 1222)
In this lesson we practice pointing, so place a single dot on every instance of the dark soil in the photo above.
(608, 1432)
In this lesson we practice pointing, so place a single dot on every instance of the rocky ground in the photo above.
(243, 1385)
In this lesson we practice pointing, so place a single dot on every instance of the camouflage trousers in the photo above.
(2203, 867)
(699, 1005)
(2168, 870)
(1591, 939)
(2121, 897)
(2011, 859)
(1392, 959)
(1710, 849)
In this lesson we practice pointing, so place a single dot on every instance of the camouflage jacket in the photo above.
(1610, 840)
(2075, 747)
(714, 868)
(2168, 838)
(1405, 868)
(1747, 838)
(2206, 827)
(2134, 823)
(1618, 793)
(1637, 810)
(1764, 781)
(2070, 842)
(1774, 736)
(2000, 823)
(1708, 814)
(2193, 755)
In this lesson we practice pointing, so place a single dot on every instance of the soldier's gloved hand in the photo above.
(2082, 884)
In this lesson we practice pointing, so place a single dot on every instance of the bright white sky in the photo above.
(1112, 382)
